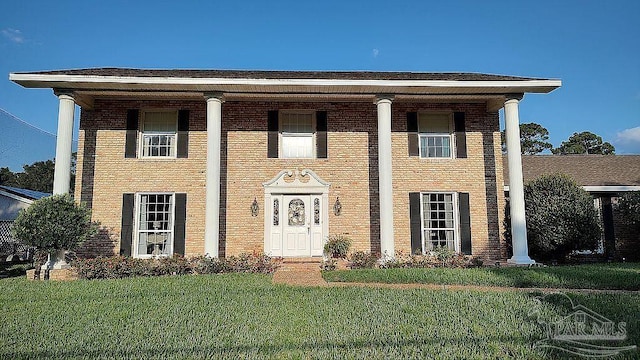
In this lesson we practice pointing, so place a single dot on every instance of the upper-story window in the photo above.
(158, 135)
(435, 134)
(297, 130)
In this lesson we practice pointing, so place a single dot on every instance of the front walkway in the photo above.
(300, 272)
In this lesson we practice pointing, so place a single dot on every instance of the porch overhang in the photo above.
(90, 84)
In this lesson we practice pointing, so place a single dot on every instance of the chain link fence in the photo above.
(10, 248)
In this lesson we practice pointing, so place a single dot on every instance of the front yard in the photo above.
(622, 276)
(245, 316)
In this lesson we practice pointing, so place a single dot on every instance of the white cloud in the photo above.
(375, 53)
(629, 140)
(13, 35)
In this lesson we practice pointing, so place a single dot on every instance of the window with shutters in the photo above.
(297, 134)
(439, 221)
(158, 135)
(154, 224)
(435, 135)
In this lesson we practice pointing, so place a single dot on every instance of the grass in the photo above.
(593, 276)
(245, 316)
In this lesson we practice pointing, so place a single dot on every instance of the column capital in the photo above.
(384, 98)
(214, 95)
(516, 96)
(60, 93)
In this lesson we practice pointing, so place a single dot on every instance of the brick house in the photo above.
(221, 162)
(605, 177)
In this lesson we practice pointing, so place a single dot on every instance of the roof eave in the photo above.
(346, 86)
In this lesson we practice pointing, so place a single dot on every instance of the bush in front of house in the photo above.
(54, 223)
(560, 218)
(118, 267)
(440, 257)
(337, 246)
(629, 207)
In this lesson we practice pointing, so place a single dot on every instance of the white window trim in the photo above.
(312, 135)
(141, 134)
(456, 219)
(136, 224)
(450, 135)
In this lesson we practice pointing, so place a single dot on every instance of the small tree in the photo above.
(560, 217)
(54, 224)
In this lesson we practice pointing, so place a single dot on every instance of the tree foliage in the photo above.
(54, 223)
(37, 176)
(534, 139)
(629, 207)
(584, 143)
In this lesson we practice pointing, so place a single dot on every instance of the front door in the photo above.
(296, 232)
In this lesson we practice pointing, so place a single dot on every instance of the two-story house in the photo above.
(221, 162)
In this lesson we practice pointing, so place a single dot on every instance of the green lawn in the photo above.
(593, 276)
(245, 316)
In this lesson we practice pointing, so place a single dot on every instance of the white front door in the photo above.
(296, 232)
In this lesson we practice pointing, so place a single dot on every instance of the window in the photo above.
(159, 132)
(435, 135)
(154, 225)
(439, 224)
(297, 134)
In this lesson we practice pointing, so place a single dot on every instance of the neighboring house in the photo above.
(603, 176)
(12, 200)
(221, 162)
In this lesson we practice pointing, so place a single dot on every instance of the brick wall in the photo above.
(351, 168)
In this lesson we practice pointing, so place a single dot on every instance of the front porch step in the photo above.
(303, 260)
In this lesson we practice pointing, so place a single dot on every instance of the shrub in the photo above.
(337, 246)
(629, 207)
(329, 265)
(54, 223)
(363, 260)
(117, 267)
(437, 258)
(560, 218)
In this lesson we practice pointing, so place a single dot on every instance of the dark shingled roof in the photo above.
(587, 170)
(273, 74)
(25, 193)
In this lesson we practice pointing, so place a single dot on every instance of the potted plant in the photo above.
(54, 224)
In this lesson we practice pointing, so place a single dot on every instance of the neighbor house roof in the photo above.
(23, 193)
(594, 172)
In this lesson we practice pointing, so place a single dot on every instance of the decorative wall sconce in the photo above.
(337, 207)
(254, 207)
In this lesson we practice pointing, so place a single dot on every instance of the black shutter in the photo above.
(179, 227)
(183, 134)
(126, 231)
(272, 139)
(321, 134)
(415, 220)
(465, 223)
(412, 133)
(132, 134)
(461, 135)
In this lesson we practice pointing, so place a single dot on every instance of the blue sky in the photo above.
(592, 46)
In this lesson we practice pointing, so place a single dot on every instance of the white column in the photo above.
(62, 173)
(212, 207)
(385, 184)
(516, 187)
